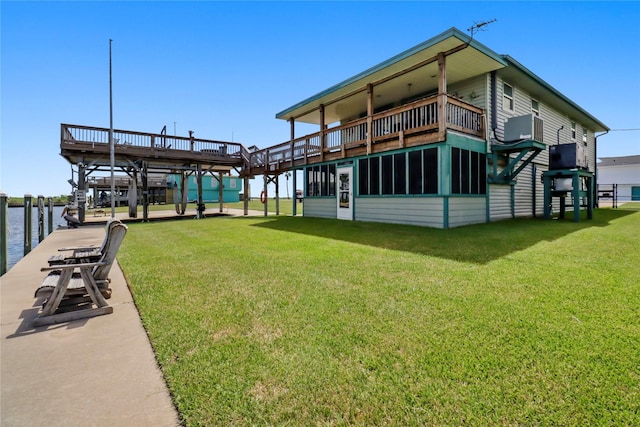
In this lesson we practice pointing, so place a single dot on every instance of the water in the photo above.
(15, 220)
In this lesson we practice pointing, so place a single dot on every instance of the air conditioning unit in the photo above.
(524, 127)
(567, 156)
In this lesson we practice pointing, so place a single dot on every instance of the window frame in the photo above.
(510, 98)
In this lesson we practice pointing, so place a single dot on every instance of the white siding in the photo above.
(467, 210)
(524, 193)
(471, 90)
(320, 208)
(499, 202)
(424, 211)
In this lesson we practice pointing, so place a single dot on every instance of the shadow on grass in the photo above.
(478, 244)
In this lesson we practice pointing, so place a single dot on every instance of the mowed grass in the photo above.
(303, 321)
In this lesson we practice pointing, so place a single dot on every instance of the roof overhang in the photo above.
(406, 75)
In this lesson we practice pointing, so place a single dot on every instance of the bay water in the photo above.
(15, 220)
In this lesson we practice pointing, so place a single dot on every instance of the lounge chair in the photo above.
(83, 253)
(71, 294)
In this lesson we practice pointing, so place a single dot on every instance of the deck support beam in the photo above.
(369, 117)
(246, 195)
(220, 192)
(442, 96)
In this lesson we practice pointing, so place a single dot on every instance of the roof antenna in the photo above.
(478, 26)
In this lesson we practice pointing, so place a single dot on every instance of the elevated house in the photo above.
(445, 134)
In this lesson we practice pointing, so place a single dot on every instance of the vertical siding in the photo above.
(467, 210)
(499, 202)
(424, 211)
(320, 207)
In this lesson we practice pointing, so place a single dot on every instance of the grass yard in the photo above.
(303, 321)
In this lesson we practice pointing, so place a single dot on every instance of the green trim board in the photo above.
(503, 151)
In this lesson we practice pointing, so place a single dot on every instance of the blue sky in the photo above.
(225, 69)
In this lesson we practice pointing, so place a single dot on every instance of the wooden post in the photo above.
(266, 194)
(50, 214)
(4, 233)
(220, 191)
(277, 182)
(199, 191)
(442, 97)
(293, 137)
(369, 117)
(27, 223)
(82, 189)
(246, 195)
(295, 193)
(40, 218)
(145, 192)
(322, 132)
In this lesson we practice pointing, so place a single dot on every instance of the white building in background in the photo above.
(623, 171)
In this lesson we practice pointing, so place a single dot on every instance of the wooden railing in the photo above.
(410, 119)
(74, 134)
(413, 119)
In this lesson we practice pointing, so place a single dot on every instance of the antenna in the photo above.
(478, 26)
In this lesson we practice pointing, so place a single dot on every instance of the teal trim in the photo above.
(488, 195)
(452, 32)
(513, 200)
(466, 143)
(445, 170)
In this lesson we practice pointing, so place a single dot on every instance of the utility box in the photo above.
(567, 156)
(524, 127)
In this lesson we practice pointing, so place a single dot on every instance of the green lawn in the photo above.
(303, 321)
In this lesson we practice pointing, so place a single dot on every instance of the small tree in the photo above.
(287, 174)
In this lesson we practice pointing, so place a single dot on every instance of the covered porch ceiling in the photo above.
(405, 76)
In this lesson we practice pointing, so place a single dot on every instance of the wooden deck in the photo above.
(417, 123)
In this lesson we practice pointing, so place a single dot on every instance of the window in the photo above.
(573, 130)
(387, 174)
(400, 173)
(321, 181)
(507, 100)
(535, 107)
(468, 172)
(584, 134)
(415, 172)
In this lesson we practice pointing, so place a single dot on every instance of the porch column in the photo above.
(246, 195)
(266, 195)
(145, 191)
(369, 116)
(277, 182)
(199, 191)
(442, 96)
(220, 192)
(82, 192)
(322, 129)
(292, 124)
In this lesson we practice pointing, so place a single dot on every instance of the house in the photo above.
(624, 173)
(444, 134)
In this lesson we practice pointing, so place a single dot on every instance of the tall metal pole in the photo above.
(111, 145)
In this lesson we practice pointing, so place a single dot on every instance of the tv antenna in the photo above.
(479, 26)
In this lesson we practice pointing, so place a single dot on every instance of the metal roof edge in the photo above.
(511, 61)
(451, 32)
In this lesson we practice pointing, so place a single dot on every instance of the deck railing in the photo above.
(410, 119)
(73, 134)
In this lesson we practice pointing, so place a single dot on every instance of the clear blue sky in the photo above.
(225, 69)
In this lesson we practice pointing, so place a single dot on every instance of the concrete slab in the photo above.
(92, 372)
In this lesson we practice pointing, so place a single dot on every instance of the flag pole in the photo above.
(111, 145)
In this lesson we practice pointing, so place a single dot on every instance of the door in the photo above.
(344, 193)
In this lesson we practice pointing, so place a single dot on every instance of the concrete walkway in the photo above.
(92, 372)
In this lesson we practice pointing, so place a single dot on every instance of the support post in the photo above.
(4, 233)
(145, 192)
(27, 223)
(266, 195)
(199, 207)
(369, 117)
(220, 192)
(50, 214)
(442, 97)
(322, 133)
(81, 194)
(292, 137)
(277, 182)
(40, 218)
(246, 195)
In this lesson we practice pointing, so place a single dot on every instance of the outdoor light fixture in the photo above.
(72, 183)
